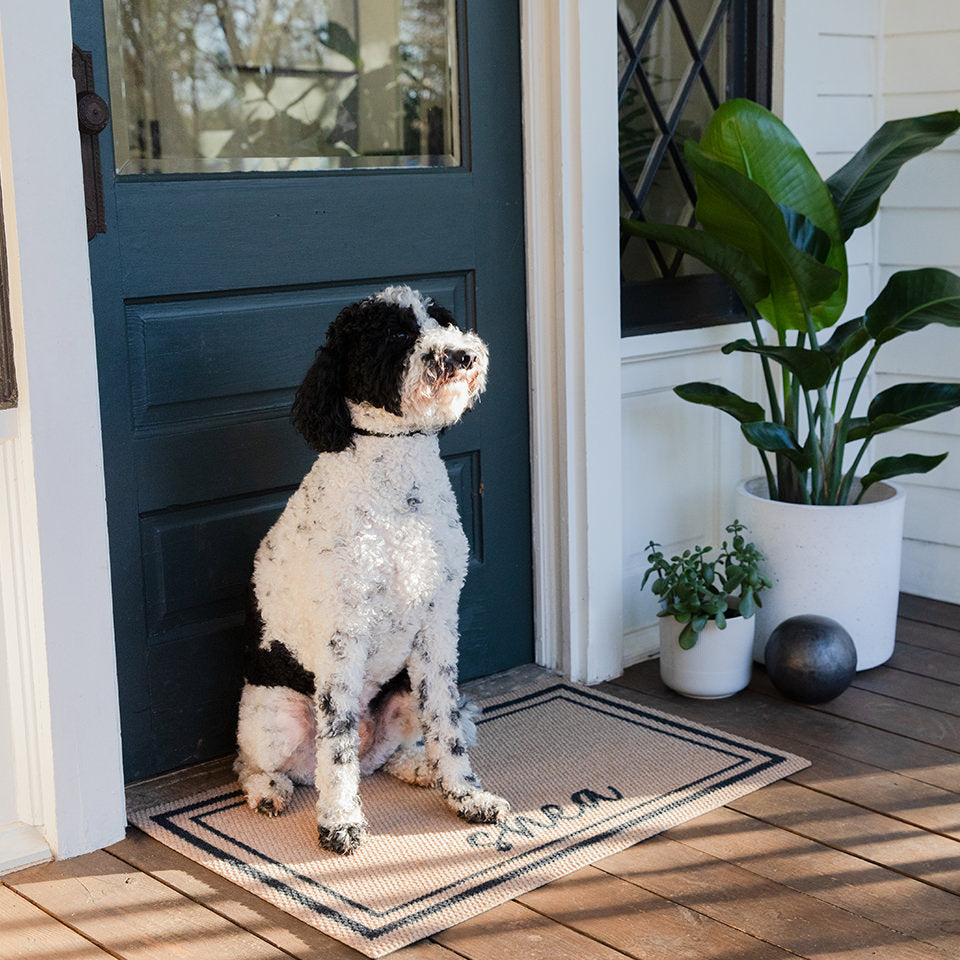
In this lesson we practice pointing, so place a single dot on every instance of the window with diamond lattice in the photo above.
(678, 60)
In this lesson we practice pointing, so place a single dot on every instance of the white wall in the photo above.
(919, 226)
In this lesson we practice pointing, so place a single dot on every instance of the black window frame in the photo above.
(681, 303)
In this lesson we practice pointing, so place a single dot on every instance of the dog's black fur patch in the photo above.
(276, 666)
(273, 666)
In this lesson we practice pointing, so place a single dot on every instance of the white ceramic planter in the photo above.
(839, 562)
(717, 665)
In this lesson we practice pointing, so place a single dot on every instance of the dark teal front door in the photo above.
(267, 163)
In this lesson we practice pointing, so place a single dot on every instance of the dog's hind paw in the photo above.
(341, 837)
(268, 793)
(481, 806)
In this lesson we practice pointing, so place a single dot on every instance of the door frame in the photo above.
(65, 664)
(569, 81)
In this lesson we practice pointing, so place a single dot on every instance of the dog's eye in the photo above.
(404, 336)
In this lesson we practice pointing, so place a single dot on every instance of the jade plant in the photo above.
(776, 231)
(694, 589)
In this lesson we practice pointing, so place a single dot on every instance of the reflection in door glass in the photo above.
(207, 86)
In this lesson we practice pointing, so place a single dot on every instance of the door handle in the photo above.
(93, 115)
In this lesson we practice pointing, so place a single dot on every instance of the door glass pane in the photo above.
(218, 86)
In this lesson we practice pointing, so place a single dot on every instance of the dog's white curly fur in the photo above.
(359, 579)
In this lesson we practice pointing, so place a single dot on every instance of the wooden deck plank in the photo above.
(132, 915)
(909, 720)
(936, 664)
(803, 730)
(928, 711)
(803, 925)
(630, 918)
(882, 791)
(925, 610)
(242, 907)
(912, 908)
(887, 792)
(512, 931)
(27, 933)
(903, 847)
(776, 720)
(927, 636)
(931, 692)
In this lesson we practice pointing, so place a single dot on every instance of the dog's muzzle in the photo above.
(446, 365)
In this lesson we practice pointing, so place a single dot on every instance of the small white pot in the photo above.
(838, 562)
(717, 665)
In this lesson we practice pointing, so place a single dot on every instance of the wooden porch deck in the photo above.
(854, 857)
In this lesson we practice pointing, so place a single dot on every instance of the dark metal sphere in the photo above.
(810, 659)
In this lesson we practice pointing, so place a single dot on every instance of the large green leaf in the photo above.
(847, 339)
(713, 395)
(753, 141)
(733, 264)
(890, 467)
(812, 368)
(776, 438)
(739, 212)
(859, 183)
(805, 234)
(905, 403)
(911, 300)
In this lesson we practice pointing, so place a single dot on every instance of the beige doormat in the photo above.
(586, 774)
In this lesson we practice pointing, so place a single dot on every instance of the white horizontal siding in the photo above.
(920, 236)
(919, 226)
(846, 65)
(897, 105)
(831, 69)
(928, 181)
(921, 16)
(921, 63)
(935, 351)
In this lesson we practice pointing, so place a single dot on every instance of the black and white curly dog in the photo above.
(354, 667)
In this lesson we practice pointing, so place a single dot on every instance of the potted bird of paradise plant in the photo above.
(776, 231)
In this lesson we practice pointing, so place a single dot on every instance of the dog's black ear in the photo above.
(320, 410)
(442, 315)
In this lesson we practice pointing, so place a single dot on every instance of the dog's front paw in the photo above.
(341, 837)
(481, 806)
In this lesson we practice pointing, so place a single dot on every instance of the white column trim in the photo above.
(22, 660)
(570, 140)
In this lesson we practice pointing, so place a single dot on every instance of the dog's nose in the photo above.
(457, 358)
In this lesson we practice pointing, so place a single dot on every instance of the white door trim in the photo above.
(59, 644)
(570, 169)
